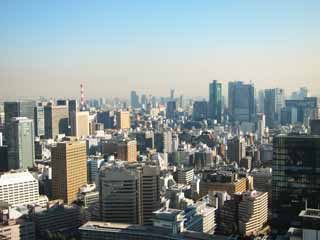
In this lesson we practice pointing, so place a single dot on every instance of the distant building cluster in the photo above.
(241, 166)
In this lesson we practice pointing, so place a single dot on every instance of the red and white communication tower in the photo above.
(82, 99)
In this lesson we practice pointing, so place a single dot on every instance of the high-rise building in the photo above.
(125, 149)
(241, 101)
(215, 101)
(273, 102)
(21, 143)
(4, 160)
(79, 124)
(56, 120)
(171, 109)
(107, 118)
(253, 212)
(261, 126)
(236, 149)
(134, 99)
(69, 169)
(123, 120)
(23, 108)
(307, 108)
(295, 178)
(39, 121)
(200, 110)
(19, 188)
(129, 193)
(163, 141)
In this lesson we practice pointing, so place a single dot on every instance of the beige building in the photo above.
(123, 120)
(253, 212)
(127, 150)
(69, 169)
(79, 124)
(56, 120)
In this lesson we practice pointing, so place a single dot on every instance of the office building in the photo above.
(200, 110)
(123, 120)
(14, 227)
(261, 126)
(39, 121)
(124, 149)
(144, 140)
(69, 169)
(224, 182)
(163, 141)
(80, 124)
(171, 109)
(184, 175)
(273, 102)
(4, 159)
(19, 188)
(134, 99)
(241, 102)
(236, 149)
(23, 108)
(315, 126)
(72, 106)
(307, 108)
(215, 101)
(56, 120)
(253, 212)
(107, 118)
(119, 231)
(21, 143)
(93, 166)
(129, 193)
(56, 218)
(295, 178)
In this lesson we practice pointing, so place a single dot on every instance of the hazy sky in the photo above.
(49, 47)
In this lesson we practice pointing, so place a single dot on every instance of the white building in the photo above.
(18, 188)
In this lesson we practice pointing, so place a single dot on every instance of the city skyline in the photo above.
(50, 48)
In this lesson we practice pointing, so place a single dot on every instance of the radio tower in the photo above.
(82, 100)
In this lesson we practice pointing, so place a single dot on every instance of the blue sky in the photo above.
(151, 46)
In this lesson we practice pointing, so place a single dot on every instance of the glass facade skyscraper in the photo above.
(21, 145)
(241, 102)
(273, 102)
(215, 101)
(295, 178)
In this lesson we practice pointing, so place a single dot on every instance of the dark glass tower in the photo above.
(241, 102)
(215, 100)
(295, 178)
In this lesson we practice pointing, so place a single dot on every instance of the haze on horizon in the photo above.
(48, 47)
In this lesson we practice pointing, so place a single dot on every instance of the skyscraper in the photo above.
(123, 120)
(39, 121)
(200, 110)
(23, 108)
(129, 193)
(215, 101)
(241, 102)
(79, 124)
(171, 109)
(55, 120)
(69, 169)
(21, 143)
(236, 149)
(134, 99)
(295, 178)
(273, 102)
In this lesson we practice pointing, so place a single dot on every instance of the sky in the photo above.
(47, 48)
